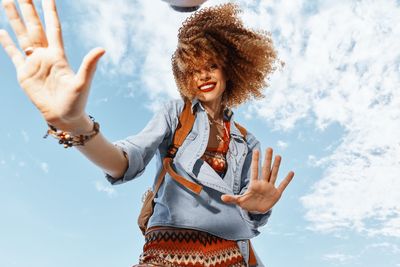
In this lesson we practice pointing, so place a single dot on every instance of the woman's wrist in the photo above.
(76, 137)
(81, 125)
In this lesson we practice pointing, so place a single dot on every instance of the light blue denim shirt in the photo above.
(177, 206)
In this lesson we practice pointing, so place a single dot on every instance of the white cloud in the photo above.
(101, 101)
(338, 257)
(25, 136)
(385, 246)
(317, 162)
(109, 190)
(281, 144)
(110, 23)
(44, 167)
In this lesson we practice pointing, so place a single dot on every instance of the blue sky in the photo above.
(332, 112)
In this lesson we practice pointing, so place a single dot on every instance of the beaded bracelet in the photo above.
(68, 140)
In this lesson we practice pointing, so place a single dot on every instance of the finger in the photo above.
(230, 199)
(254, 165)
(89, 63)
(33, 24)
(16, 23)
(275, 169)
(266, 169)
(52, 22)
(12, 51)
(285, 182)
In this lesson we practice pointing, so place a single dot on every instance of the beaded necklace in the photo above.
(224, 125)
(215, 156)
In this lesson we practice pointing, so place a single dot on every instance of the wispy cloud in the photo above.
(388, 247)
(44, 166)
(358, 255)
(281, 144)
(338, 257)
(25, 136)
(102, 187)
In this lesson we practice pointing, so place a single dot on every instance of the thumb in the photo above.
(231, 199)
(89, 63)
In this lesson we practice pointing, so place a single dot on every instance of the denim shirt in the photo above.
(177, 206)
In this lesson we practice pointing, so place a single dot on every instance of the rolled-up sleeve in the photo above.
(254, 220)
(139, 149)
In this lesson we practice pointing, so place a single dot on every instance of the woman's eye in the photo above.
(214, 66)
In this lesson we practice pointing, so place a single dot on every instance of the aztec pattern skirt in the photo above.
(171, 247)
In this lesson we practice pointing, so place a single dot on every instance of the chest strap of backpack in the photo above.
(185, 125)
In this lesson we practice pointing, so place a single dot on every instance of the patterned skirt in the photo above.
(167, 246)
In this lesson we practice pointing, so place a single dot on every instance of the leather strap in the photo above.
(252, 256)
(241, 129)
(185, 125)
(194, 187)
(160, 179)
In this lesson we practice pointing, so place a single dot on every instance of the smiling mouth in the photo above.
(207, 87)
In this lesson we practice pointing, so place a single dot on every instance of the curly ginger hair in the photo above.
(216, 34)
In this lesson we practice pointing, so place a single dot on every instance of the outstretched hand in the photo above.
(42, 68)
(261, 194)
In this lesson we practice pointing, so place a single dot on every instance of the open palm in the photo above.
(43, 71)
(261, 194)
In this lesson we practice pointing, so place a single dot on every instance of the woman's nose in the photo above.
(204, 74)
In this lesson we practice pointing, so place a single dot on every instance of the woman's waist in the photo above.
(166, 233)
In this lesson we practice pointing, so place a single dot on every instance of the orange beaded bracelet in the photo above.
(68, 140)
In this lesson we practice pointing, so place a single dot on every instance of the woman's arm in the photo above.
(46, 77)
(110, 158)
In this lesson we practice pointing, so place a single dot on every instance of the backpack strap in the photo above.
(242, 130)
(185, 125)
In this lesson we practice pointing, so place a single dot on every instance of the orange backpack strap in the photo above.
(252, 256)
(242, 130)
(185, 125)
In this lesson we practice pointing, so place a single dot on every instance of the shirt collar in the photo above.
(197, 104)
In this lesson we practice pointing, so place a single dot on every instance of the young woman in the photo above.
(217, 65)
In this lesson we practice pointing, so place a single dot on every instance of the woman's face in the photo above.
(210, 83)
